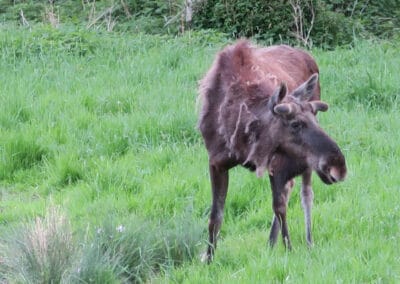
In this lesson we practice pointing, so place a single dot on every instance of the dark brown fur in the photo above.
(253, 98)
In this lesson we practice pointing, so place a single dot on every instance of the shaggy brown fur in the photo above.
(243, 77)
(259, 107)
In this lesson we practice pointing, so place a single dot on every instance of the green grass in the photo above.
(104, 127)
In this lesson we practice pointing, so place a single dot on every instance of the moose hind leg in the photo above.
(219, 185)
(307, 197)
(280, 201)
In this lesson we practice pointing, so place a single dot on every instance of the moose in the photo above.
(259, 107)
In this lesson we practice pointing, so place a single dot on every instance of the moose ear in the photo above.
(318, 106)
(277, 96)
(306, 90)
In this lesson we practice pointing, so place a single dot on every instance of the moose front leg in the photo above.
(219, 186)
(280, 195)
(307, 197)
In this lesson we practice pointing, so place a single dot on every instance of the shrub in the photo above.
(32, 10)
(336, 22)
(333, 28)
(379, 18)
(268, 20)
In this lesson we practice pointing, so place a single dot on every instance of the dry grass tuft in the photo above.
(39, 252)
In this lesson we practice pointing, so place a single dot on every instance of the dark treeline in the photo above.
(325, 23)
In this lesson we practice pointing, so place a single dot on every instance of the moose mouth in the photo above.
(330, 175)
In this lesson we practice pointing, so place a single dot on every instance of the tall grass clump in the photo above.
(67, 170)
(20, 151)
(137, 249)
(130, 251)
(39, 252)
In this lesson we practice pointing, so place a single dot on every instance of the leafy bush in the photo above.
(32, 10)
(153, 17)
(275, 20)
(333, 28)
(380, 18)
(336, 22)
(268, 20)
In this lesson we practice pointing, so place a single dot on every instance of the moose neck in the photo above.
(261, 147)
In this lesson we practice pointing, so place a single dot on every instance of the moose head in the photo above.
(288, 124)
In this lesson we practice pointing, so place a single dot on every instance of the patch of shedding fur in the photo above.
(235, 132)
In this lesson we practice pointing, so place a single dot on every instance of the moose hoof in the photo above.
(206, 258)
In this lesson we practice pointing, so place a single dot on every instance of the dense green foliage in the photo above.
(328, 22)
(323, 23)
(102, 127)
(154, 16)
(380, 18)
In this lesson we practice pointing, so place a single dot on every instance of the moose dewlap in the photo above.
(258, 111)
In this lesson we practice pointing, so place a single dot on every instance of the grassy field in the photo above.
(104, 177)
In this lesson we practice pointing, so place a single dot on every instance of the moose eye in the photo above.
(296, 125)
